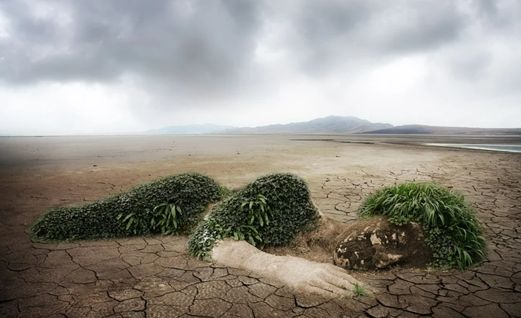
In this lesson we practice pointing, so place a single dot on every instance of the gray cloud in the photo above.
(204, 44)
(469, 66)
(192, 43)
(327, 33)
(192, 55)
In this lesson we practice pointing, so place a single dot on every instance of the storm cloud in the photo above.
(194, 42)
(182, 59)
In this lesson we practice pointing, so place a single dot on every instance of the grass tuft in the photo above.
(359, 291)
(452, 230)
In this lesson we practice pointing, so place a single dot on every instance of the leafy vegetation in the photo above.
(359, 291)
(170, 205)
(268, 212)
(452, 230)
(258, 210)
(164, 219)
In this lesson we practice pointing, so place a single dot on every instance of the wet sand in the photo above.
(134, 277)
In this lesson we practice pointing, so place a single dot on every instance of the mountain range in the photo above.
(325, 125)
(334, 125)
(440, 130)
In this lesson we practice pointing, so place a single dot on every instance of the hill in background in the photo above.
(325, 125)
(439, 130)
(335, 125)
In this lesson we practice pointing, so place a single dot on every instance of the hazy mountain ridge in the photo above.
(442, 130)
(324, 125)
(334, 125)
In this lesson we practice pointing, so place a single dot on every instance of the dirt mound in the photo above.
(376, 244)
(317, 245)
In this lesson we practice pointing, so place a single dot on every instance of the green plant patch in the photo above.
(451, 228)
(170, 205)
(359, 291)
(268, 212)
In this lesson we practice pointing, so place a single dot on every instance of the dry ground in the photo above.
(153, 277)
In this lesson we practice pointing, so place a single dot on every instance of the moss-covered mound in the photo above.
(172, 204)
(451, 228)
(269, 212)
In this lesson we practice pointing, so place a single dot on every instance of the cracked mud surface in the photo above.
(153, 276)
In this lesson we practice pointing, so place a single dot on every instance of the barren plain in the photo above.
(153, 276)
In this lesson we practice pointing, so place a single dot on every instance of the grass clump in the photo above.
(268, 212)
(451, 228)
(359, 291)
(170, 205)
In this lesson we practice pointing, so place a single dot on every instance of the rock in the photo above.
(377, 244)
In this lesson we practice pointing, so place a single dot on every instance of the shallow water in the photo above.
(492, 147)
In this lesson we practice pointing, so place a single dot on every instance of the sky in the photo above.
(118, 66)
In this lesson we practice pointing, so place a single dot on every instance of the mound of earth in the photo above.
(452, 230)
(376, 243)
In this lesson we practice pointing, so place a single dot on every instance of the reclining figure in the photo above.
(271, 212)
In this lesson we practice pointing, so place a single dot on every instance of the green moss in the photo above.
(452, 230)
(190, 192)
(288, 210)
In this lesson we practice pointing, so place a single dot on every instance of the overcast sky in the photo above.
(102, 66)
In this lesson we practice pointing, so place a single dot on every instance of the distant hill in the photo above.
(439, 130)
(189, 129)
(334, 125)
(325, 125)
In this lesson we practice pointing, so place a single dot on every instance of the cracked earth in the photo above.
(153, 276)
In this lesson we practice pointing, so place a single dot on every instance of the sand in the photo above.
(89, 278)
